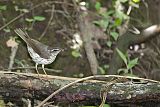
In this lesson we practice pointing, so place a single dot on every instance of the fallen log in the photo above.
(15, 86)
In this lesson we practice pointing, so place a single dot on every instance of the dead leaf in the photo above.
(11, 43)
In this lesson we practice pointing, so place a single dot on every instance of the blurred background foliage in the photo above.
(55, 23)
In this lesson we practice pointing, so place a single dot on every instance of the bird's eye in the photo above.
(54, 50)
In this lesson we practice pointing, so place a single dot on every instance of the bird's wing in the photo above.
(40, 48)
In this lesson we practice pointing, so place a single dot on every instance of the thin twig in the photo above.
(32, 67)
(49, 22)
(91, 77)
(19, 16)
(59, 11)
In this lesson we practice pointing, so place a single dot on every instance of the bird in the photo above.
(39, 52)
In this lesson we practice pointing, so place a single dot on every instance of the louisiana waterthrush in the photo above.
(39, 52)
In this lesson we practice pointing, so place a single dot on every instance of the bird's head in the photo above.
(55, 51)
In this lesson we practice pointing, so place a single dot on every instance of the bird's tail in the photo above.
(23, 34)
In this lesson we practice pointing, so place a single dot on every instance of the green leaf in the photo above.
(122, 71)
(76, 53)
(3, 7)
(98, 6)
(102, 71)
(39, 18)
(107, 14)
(132, 63)
(118, 22)
(109, 44)
(122, 56)
(136, 1)
(134, 4)
(102, 23)
(121, 15)
(7, 30)
(114, 35)
(106, 105)
(29, 20)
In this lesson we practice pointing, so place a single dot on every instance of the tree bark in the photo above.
(87, 33)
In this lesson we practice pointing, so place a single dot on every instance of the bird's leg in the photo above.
(43, 69)
(37, 69)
